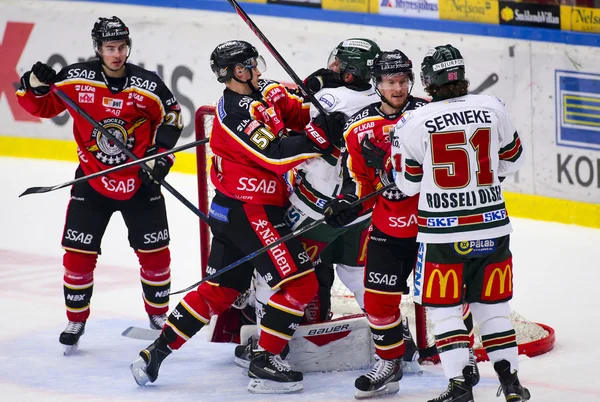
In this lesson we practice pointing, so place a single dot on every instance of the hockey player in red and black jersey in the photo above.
(391, 247)
(260, 132)
(140, 111)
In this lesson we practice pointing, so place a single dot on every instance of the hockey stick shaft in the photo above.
(277, 56)
(40, 190)
(125, 150)
(285, 238)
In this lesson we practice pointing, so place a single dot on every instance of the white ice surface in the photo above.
(557, 275)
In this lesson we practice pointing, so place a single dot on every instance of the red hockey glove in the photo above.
(378, 154)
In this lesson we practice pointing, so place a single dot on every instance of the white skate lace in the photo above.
(74, 327)
(381, 370)
(159, 320)
(279, 363)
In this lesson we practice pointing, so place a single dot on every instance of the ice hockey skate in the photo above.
(145, 368)
(157, 321)
(381, 380)
(70, 336)
(509, 383)
(473, 367)
(244, 353)
(270, 374)
(460, 389)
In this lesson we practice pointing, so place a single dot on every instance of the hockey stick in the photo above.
(40, 190)
(285, 238)
(277, 56)
(125, 150)
(487, 83)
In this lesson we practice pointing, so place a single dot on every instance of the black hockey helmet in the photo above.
(232, 53)
(442, 65)
(390, 63)
(355, 57)
(109, 29)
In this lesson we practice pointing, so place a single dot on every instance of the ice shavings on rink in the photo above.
(556, 276)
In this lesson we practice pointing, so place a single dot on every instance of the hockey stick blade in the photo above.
(40, 190)
(123, 148)
(240, 11)
(283, 239)
(487, 83)
(143, 334)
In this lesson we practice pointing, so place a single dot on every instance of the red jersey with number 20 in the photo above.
(141, 114)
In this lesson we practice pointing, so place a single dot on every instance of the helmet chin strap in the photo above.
(248, 81)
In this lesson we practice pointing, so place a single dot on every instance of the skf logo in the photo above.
(493, 216)
(447, 278)
(501, 289)
(443, 222)
(112, 103)
(85, 97)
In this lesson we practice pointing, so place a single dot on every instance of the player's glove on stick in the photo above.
(323, 78)
(160, 167)
(326, 131)
(338, 212)
(38, 79)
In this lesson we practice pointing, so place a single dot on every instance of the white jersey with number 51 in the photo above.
(454, 152)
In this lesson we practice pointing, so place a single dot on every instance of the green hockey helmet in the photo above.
(354, 56)
(442, 65)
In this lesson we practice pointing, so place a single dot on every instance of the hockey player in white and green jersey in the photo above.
(320, 181)
(455, 152)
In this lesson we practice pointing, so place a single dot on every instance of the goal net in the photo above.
(533, 338)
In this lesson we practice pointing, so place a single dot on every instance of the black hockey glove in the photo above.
(338, 212)
(38, 79)
(323, 78)
(160, 167)
(327, 131)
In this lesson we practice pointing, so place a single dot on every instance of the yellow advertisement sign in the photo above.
(581, 19)
(254, 1)
(485, 11)
(359, 6)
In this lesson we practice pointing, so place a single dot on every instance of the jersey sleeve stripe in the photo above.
(512, 151)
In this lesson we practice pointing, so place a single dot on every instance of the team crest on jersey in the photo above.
(101, 145)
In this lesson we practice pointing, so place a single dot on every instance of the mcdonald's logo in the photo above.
(443, 283)
(312, 251)
(502, 274)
